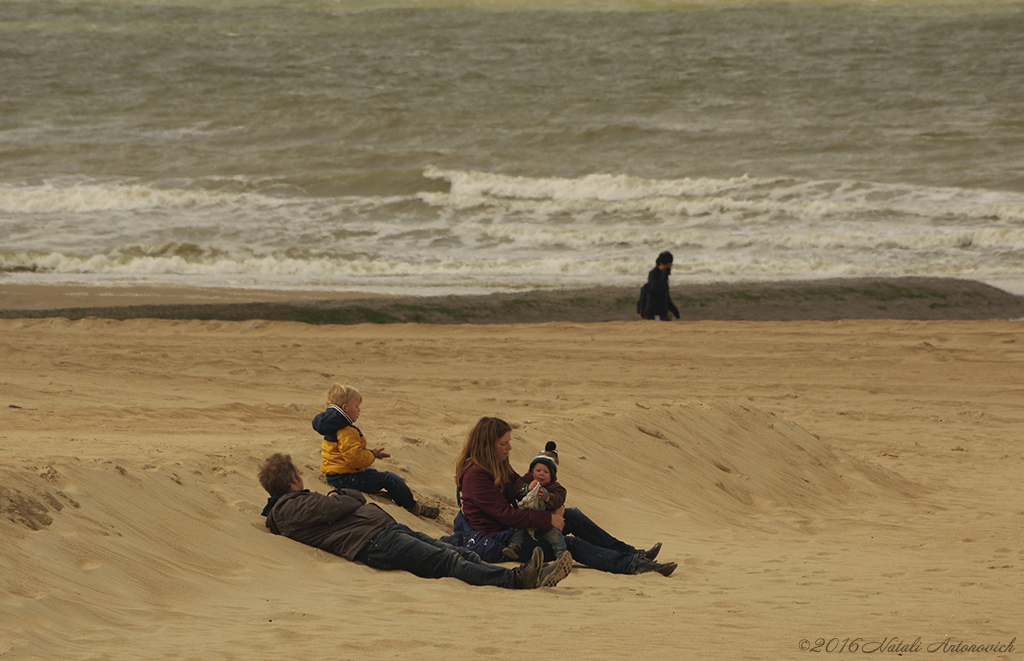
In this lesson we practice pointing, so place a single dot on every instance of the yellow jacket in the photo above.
(346, 455)
(343, 449)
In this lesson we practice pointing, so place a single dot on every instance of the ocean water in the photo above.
(468, 147)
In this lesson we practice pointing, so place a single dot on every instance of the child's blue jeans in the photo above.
(371, 480)
(553, 536)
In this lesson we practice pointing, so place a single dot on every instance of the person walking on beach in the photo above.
(344, 524)
(659, 302)
(345, 460)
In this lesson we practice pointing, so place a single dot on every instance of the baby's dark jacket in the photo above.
(556, 492)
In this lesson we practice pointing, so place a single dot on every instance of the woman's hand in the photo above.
(558, 518)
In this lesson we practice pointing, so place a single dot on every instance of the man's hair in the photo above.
(277, 473)
(339, 395)
(664, 258)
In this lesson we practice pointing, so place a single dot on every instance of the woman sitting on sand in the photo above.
(488, 517)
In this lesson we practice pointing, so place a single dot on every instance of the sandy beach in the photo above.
(918, 298)
(821, 483)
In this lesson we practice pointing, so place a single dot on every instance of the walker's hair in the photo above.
(277, 473)
(481, 450)
(664, 258)
(340, 395)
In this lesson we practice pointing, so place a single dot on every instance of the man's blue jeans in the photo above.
(590, 545)
(400, 547)
(371, 480)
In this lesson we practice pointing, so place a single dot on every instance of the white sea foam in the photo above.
(811, 199)
(58, 198)
(509, 232)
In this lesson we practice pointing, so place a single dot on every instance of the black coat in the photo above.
(659, 302)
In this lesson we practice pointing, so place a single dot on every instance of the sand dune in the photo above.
(813, 480)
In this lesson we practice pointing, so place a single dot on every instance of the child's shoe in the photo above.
(426, 511)
(511, 551)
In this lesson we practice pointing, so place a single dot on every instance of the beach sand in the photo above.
(824, 300)
(854, 480)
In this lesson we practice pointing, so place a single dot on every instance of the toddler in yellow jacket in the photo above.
(346, 461)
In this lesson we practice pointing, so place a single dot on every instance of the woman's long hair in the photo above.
(481, 450)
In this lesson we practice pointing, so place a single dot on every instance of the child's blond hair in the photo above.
(340, 395)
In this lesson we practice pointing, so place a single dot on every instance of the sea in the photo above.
(466, 147)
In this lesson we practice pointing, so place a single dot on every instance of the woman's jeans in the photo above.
(590, 545)
(400, 547)
(371, 480)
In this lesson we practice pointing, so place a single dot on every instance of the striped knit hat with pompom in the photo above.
(549, 457)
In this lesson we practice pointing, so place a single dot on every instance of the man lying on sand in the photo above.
(344, 524)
